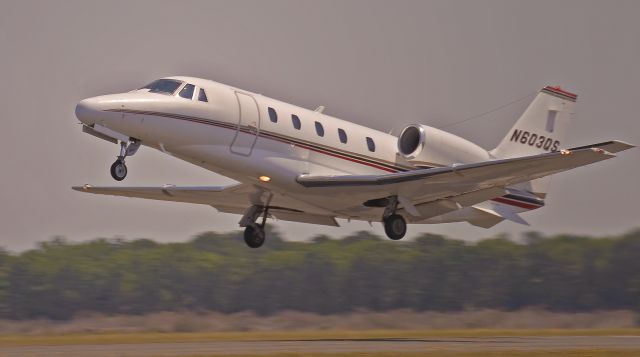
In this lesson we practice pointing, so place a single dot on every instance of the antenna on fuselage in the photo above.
(319, 109)
(487, 112)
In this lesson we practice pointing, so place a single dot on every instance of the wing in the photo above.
(230, 199)
(613, 146)
(431, 192)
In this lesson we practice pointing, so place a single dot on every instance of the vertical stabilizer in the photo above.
(541, 128)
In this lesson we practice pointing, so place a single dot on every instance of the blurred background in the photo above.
(361, 281)
(378, 63)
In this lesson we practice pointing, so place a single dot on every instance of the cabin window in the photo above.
(371, 145)
(296, 122)
(319, 129)
(202, 96)
(273, 115)
(187, 91)
(342, 135)
(164, 86)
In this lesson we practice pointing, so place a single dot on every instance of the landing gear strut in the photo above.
(119, 168)
(254, 235)
(395, 225)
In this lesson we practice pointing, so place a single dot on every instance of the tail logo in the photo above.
(532, 139)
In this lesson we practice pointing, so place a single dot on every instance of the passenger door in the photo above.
(248, 126)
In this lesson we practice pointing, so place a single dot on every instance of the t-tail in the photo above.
(541, 128)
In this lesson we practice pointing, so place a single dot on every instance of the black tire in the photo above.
(254, 236)
(118, 170)
(395, 227)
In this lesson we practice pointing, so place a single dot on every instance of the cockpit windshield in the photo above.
(164, 86)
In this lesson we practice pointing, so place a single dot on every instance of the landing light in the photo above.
(264, 178)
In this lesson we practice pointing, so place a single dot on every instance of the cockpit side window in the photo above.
(202, 96)
(187, 91)
(164, 86)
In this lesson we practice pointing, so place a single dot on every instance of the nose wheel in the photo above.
(119, 170)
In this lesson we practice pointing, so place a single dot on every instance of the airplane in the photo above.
(301, 165)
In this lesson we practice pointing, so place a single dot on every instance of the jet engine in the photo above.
(423, 145)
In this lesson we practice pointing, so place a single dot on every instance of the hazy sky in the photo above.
(379, 63)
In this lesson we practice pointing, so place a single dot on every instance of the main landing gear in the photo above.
(254, 235)
(395, 225)
(119, 168)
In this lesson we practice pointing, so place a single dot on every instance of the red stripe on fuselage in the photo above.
(267, 135)
(331, 154)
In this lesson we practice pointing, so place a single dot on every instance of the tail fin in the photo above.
(541, 128)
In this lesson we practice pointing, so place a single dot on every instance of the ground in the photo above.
(376, 343)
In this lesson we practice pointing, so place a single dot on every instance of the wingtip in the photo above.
(617, 146)
(624, 145)
(82, 188)
(613, 146)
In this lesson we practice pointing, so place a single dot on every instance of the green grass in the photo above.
(158, 337)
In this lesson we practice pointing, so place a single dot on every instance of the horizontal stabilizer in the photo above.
(486, 220)
(439, 207)
(503, 212)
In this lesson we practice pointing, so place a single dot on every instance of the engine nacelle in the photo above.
(426, 146)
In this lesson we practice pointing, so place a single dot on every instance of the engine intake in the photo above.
(411, 141)
(424, 145)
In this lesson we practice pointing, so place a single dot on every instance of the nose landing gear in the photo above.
(119, 168)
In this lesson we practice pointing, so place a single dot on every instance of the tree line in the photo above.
(217, 272)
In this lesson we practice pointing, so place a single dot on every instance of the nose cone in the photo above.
(87, 110)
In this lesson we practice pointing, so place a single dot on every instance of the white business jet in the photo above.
(301, 165)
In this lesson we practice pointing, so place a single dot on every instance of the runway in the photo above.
(328, 346)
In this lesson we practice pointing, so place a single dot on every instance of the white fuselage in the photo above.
(234, 133)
